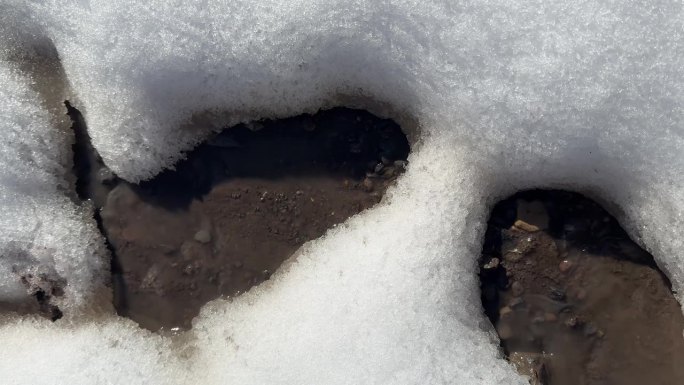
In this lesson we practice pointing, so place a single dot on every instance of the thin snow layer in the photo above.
(44, 237)
(586, 96)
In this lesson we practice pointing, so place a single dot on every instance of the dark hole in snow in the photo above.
(240, 204)
(573, 299)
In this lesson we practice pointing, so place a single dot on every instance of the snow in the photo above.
(505, 95)
(42, 232)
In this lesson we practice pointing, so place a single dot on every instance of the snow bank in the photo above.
(508, 95)
(44, 237)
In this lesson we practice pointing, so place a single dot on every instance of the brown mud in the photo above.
(240, 204)
(573, 299)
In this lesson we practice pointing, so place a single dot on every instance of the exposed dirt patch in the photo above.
(227, 217)
(573, 299)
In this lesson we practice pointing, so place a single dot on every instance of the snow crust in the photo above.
(43, 234)
(586, 96)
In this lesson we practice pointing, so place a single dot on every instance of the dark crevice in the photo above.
(88, 165)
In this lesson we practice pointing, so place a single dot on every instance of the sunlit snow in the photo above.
(498, 96)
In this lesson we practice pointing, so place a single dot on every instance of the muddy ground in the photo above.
(227, 217)
(573, 299)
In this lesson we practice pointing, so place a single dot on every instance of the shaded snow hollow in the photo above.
(586, 96)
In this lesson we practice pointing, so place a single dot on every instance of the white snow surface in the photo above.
(507, 95)
(42, 232)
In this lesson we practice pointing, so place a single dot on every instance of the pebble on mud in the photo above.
(203, 236)
(517, 288)
(504, 311)
(524, 226)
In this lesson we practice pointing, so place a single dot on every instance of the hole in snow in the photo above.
(240, 204)
(573, 299)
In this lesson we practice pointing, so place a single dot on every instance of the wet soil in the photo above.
(573, 299)
(240, 204)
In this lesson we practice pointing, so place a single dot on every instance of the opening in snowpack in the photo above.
(240, 204)
(574, 300)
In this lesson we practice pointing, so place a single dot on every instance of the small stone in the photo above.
(203, 236)
(504, 311)
(492, 264)
(517, 288)
(149, 281)
(564, 266)
(515, 302)
(378, 167)
(524, 226)
(550, 317)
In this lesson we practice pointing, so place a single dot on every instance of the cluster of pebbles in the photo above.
(573, 299)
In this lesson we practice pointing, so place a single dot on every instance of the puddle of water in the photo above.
(240, 204)
(573, 299)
